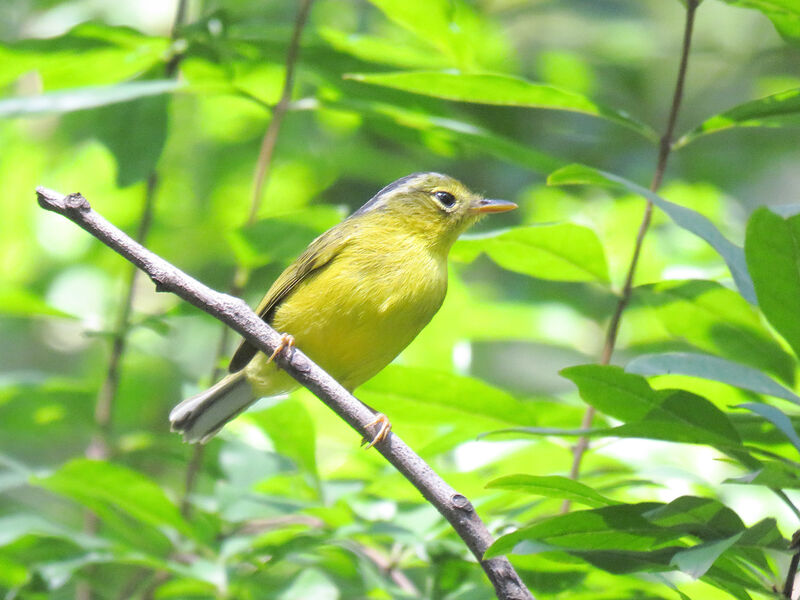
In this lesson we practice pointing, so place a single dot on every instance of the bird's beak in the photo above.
(487, 205)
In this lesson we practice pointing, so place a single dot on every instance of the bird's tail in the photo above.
(198, 418)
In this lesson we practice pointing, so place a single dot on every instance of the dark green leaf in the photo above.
(664, 414)
(773, 256)
(619, 527)
(690, 220)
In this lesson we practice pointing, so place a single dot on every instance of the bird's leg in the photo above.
(383, 431)
(287, 341)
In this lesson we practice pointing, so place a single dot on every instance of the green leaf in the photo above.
(282, 237)
(713, 368)
(686, 218)
(88, 54)
(19, 302)
(476, 137)
(773, 474)
(84, 98)
(695, 561)
(673, 415)
(291, 430)
(497, 89)
(552, 487)
(382, 50)
(439, 396)
(777, 418)
(618, 527)
(451, 27)
(91, 481)
(717, 320)
(562, 252)
(770, 111)
(773, 256)
(784, 14)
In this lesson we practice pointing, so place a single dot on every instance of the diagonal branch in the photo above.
(664, 149)
(235, 313)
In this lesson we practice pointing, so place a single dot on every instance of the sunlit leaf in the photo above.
(84, 98)
(551, 487)
(562, 252)
(773, 256)
(690, 220)
(710, 367)
(771, 111)
(784, 14)
(451, 27)
(496, 89)
(19, 302)
(88, 54)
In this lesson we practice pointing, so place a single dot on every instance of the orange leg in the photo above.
(383, 431)
(287, 341)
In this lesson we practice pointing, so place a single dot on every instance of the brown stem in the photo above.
(664, 148)
(788, 585)
(263, 167)
(454, 507)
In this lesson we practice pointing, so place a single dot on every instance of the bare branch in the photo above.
(235, 313)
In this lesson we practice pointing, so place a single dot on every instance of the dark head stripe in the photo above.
(375, 201)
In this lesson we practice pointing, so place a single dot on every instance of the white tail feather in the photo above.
(200, 417)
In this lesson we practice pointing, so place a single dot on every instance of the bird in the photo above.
(353, 300)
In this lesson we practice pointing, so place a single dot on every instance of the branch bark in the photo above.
(664, 149)
(235, 313)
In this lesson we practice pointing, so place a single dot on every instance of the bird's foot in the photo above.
(287, 341)
(383, 431)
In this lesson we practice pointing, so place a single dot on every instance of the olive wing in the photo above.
(317, 256)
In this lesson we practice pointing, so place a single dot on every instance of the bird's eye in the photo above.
(446, 198)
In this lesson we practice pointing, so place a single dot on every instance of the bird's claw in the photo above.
(287, 341)
(383, 431)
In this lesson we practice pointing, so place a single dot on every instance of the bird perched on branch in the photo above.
(357, 296)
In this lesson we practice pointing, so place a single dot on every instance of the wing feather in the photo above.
(318, 255)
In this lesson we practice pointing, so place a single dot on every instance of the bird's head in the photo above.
(431, 205)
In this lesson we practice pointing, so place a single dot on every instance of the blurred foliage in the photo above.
(689, 488)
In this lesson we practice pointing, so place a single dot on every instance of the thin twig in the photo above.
(664, 148)
(788, 586)
(260, 177)
(234, 312)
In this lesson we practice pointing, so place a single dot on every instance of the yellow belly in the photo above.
(355, 315)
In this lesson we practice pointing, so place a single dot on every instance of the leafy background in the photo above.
(686, 491)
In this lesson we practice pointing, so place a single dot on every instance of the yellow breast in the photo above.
(355, 315)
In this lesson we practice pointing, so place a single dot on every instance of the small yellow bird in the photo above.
(358, 295)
